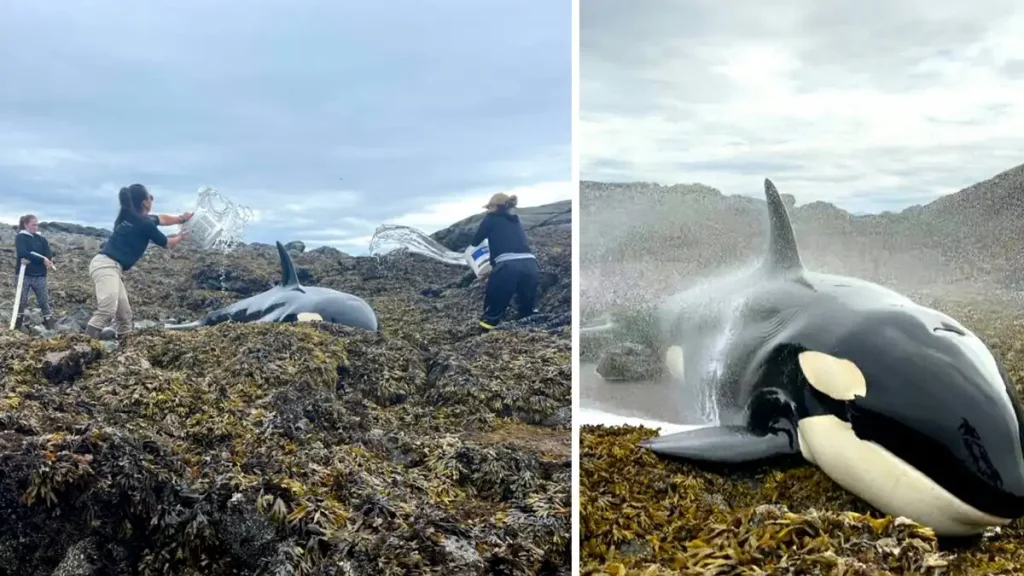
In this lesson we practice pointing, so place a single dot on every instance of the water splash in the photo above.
(217, 223)
(714, 307)
(392, 237)
(718, 359)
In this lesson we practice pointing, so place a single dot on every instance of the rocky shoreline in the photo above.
(428, 448)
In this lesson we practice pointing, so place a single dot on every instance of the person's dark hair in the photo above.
(131, 199)
(23, 221)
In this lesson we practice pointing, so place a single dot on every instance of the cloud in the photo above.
(870, 105)
(353, 234)
(439, 214)
(308, 115)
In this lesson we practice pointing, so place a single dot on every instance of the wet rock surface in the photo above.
(428, 448)
(628, 362)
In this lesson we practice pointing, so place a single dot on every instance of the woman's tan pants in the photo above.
(111, 297)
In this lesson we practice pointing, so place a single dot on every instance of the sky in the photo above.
(871, 105)
(325, 118)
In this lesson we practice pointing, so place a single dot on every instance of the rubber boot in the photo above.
(92, 332)
(20, 322)
(50, 323)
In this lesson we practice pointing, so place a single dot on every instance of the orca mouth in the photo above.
(976, 482)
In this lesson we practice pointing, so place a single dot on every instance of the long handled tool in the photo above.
(52, 265)
(17, 296)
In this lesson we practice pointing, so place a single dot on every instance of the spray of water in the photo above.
(716, 363)
(391, 237)
(714, 306)
(217, 223)
(711, 308)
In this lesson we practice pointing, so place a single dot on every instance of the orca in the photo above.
(898, 403)
(290, 301)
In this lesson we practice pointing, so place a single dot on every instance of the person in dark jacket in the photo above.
(134, 229)
(33, 252)
(514, 270)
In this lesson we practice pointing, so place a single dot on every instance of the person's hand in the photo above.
(186, 217)
(48, 263)
(25, 262)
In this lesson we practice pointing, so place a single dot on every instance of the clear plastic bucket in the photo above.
(216, 221)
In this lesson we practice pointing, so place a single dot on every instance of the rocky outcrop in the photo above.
(556, 215)
(690, 231)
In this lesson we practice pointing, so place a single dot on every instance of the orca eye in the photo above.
(947, 327)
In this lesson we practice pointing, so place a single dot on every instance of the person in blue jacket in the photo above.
(514, 270)
(33, 252)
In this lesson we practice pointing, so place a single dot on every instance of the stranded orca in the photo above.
(290, 301)
(898, 403)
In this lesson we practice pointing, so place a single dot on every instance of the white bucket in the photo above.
(479, 258)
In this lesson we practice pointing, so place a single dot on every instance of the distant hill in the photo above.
(555, 215)
(975, 235)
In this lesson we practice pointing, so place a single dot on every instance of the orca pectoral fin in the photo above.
(187, 326)
(723, 444)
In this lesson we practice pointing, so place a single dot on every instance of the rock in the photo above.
(240, 280)
(328, 251)
(79, 560)
(66, 365)
(463, 559)
(562, 418)
(74, 322)
(32, 316)
(628, 362)
(49, 228)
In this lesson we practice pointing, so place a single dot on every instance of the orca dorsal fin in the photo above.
(289, 278)
(783, 255)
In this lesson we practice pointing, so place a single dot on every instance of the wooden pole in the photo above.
(17, 296)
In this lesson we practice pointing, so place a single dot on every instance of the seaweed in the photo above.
(426, 448)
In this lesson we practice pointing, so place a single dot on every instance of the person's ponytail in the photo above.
(130, 198)
(125, 211)
(24, 220)
(512, 201)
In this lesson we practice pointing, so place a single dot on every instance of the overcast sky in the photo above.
(871, 105)
(327, 118)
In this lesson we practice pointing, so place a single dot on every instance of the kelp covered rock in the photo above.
(262, 448)
(427, 448)
(646, 515)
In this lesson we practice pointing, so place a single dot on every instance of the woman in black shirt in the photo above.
(134, 229)
(514, 269)
(35, 255)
